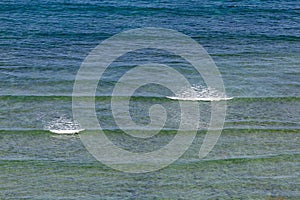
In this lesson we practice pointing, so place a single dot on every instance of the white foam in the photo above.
(66, 132)
(199, 93)
(63, 125)
(199, 98)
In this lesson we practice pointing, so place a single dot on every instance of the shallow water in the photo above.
(255, 45)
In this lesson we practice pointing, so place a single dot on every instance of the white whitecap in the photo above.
(199, 93)
(66, 132)
(63, 125)
(199, 98)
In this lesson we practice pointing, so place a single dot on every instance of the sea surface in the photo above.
(256, 47)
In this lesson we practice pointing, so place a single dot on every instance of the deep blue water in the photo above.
(255, 45)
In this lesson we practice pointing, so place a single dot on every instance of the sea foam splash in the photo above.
(63, 125)
(199, 93)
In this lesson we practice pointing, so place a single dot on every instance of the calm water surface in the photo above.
(255, 45)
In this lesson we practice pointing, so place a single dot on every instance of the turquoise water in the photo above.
(255, 45)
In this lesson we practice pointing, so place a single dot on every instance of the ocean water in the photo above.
(255, 45)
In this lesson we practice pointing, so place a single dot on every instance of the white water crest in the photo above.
(63, 125)
(199, 93)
